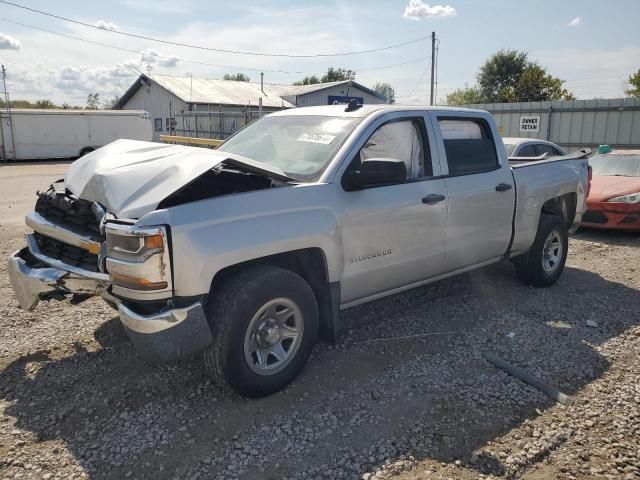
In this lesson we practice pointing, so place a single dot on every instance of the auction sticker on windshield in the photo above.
(316, 138)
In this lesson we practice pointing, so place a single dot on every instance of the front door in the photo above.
(393, 235)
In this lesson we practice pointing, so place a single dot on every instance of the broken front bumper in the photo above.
(165, 335)
(35, 276)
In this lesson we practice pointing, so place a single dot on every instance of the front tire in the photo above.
(543, 264)
(264, 322)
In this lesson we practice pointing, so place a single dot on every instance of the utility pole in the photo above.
(433, 61)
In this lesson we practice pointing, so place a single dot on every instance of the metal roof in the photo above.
(222, 92)
(290, 91)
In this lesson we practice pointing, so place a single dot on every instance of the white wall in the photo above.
(155, 100)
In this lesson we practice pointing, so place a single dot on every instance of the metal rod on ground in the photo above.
(433, 61)
(529, 379)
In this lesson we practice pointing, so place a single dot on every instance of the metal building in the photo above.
(571, 124)
(209, 108)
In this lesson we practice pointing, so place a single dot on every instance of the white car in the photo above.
(531, 147)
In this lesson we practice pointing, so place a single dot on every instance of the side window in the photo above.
(399, 140)
(527, 151)
(157, 124)
(469, 146)
(542, 148)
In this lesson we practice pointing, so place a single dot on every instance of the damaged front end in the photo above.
(89, 237)
(61, 256)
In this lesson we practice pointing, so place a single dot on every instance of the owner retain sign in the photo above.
(530, 123)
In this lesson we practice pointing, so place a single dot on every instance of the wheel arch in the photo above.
(563, 206)
(311, 265)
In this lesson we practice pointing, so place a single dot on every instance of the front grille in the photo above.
(66, 211)
(592, 216)
(68, 254)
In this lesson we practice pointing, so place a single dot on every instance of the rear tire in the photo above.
(543, 264)
(264, 322)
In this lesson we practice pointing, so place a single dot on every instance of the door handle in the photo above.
(433, 198)
(503, 187)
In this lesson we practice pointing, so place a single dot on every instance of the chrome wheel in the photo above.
(274, 336)
(552, 252)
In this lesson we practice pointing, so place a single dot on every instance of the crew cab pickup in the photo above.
(249, 252)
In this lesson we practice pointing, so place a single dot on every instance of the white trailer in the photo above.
(31, 134)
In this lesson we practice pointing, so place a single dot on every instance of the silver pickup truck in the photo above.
(250, 251)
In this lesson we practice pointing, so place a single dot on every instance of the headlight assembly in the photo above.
(138, 258)
(629, 198)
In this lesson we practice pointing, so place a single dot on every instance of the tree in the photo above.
(109, 103)
(634, 84)
(338, 75)
(93, 101)
(509, 76)
(238, 77)
(44, 103)
(332, 75)
(536, 85)
(308, 80)
(499, 75)
(387, 90)
(464, 96)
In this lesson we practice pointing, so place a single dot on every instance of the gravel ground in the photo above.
(76, 401)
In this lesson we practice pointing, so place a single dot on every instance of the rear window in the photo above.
(616, 165)
(527, 151)
(468, 145)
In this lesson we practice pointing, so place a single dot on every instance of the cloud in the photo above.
(151, 57)
(103, 24)
(576, 22)
(417, 10)
(9, 43)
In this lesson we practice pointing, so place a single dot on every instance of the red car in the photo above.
(614, 197)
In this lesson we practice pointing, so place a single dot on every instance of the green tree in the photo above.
(536, 85)
(338, 75)
(93, 101)
(634, 85)
(509, 76)
(44, 103)
(499, 75)
(238, 77)
(308, 80)
(109, 103)
(465, 96)
(387, 90)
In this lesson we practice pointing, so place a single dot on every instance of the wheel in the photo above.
(264, 322)
(542, 265)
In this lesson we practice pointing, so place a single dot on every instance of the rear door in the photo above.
(393, 235)
(480, 188)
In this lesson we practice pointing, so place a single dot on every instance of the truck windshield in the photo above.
(616, 165)
(301, 146)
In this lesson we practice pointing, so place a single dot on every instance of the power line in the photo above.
(198, 62)
(220, 50)
(417, 84)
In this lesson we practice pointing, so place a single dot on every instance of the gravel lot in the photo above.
(77, 402)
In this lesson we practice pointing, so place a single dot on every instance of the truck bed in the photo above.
(537, 181)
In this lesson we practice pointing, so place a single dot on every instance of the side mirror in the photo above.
(376, 171)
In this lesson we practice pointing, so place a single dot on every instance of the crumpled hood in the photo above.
(130, 178)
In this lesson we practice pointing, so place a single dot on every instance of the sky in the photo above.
(593, 45)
